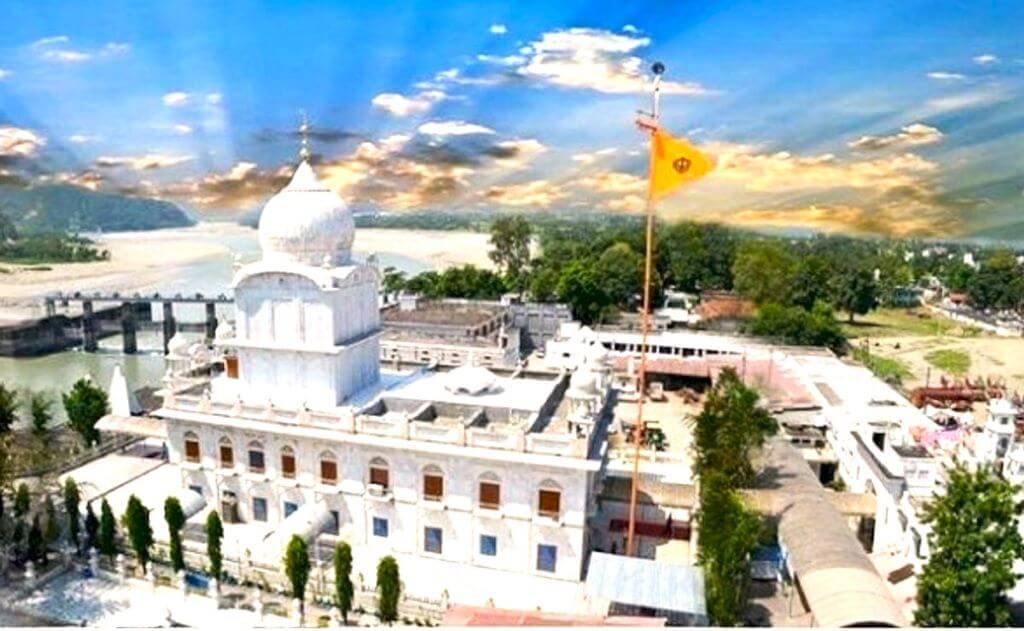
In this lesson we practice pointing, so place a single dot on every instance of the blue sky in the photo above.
(894, 118)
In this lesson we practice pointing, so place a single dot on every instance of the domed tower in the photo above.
(307, 323)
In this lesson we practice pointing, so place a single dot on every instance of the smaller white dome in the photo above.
(472, 380)
(596, 354)
(177, 346)
(198, 352)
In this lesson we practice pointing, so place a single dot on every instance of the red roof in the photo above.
(465, 616)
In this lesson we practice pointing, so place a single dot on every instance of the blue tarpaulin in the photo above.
(647, 583)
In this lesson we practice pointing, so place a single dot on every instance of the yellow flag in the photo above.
(675, 162)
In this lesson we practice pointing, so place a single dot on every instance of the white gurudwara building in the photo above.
(480, 485)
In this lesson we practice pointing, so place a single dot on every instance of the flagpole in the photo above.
(638, 433)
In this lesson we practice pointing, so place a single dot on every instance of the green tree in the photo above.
(92, 528)
(510, 248)
(394, 280)
(72, 497)
(855, 291)
(998, 283)
(622, 272)
(39, 409)
(795, 325)
(175, 518)
(388, 589)
(108, 531)
(214, 535)
(697, 257)
(140, 533)
(811, 282)
(296, 568)
(729, 532)
(974, 542)
(36, 546)
(582, 289)
(51, 527)
(85, 404)
(343, 588)
(8, 231)
(765, 271)
(8, 408)
(22, 500)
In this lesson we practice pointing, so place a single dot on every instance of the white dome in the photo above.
(583, 382)
(177, 346)
(224, 331)
(306, 223)
(471, 380)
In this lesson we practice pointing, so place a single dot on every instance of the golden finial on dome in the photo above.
(304, 138)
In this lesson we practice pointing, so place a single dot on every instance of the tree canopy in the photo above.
(85, 404)
(296, 566)
(175, 518)
(140, 533)
(974, 542)
(388, 589)
(510, 248)
(214, 534)
(343, 588)
(8, 408)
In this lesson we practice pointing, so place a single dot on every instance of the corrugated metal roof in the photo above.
(646, 583)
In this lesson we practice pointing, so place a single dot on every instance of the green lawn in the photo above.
(900, 322)
(885, 368)
(951, 360)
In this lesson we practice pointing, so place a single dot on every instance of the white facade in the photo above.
(479, 485)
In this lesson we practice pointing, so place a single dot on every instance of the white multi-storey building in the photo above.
(479, 485)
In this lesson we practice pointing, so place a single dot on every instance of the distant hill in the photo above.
(64, 208)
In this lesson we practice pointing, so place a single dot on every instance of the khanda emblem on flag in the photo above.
(674, 162)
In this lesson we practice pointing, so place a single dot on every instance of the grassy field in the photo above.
(951, 360)
(900, 322)
(886, 368)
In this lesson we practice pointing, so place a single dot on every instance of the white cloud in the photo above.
(945, 76)
(517, 154)
(214, 98)
(453, 128)
(50, 49)
(4, 73)
(499, 29)
(593, 156)
(81, 139)
(16, 141)
(48, 41)
(538, 193)
(965, 100)
(508, 60)
(629, 28)
(145, 162)
(402, 106)
(182, 129)
(175, 99)
(986, 59)
(911, 135)
(595, 59)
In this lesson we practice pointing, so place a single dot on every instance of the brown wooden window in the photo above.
(328, 471)
(231, 367)
(433, 486)
(227, 456)
(549, 503)
(287, 463)
(192, 449)
(379, 475)
(490, 495)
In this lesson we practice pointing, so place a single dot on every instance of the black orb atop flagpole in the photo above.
(658, 68)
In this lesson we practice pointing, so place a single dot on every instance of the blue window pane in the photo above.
(432, 540)
(547, 558)
(259, 509)
(488, 545)
(290, 507)
(380, 527)
(256, 459)
(334, 527)
(197, 489)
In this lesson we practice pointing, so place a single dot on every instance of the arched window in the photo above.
(379, 473)
(257, 463)
(549, 500)
(192, 453)
(489, 491)
(287, 462)
(227, 453)
(433, 484)
(328, 468)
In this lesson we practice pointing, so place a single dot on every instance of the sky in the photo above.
(896, 118)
